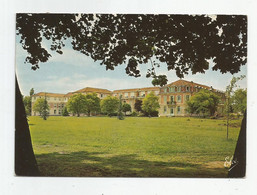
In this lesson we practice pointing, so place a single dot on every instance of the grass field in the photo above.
(134, 147)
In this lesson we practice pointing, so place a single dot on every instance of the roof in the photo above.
(137, 89)
(49, 94)
(92, 90)
(182, 82)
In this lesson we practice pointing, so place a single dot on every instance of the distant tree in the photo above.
(77, 104)
(120, 114)
(239, 100)
(27, 102)
(41, 106)
(109, 105)
(229, 93)
(204, 102)
(150, 103)
(32, 92)
(92, 103)
(65, 112)
(27, 105)
(126, 108)
(45, 112)
(138, 105)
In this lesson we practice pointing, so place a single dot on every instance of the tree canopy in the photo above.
(41, 106)
(138, 105)
(239, 100)
(76, 104)
(27, 105)
(92, 103)
(126, 108)
(109, 105)
(150, 103)
(204, 102)
(184, 42)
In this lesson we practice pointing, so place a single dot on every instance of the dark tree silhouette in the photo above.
(184, 42)
(25, 162)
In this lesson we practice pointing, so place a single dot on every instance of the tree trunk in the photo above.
(25, 161)
(238, 165)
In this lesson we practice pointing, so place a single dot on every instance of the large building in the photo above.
(172, 97)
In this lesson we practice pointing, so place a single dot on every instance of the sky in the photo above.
(72, 71)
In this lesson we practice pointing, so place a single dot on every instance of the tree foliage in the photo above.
(126, 108)
(109, 105)
(150, 104)
(77, 104)
(120, 109)
(204, 102)
(239, 100)
(184, 42)
(229, 92)
(31, 92)
(138, 105)
(92, 103)
(41, 106)
(65, 112)
(27, 105)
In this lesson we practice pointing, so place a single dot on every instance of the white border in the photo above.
(10, 184)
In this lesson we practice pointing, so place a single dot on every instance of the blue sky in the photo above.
(72, 71)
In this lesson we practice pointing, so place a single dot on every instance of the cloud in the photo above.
(79, 81)
(72, 57)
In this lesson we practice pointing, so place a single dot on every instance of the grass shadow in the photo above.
(98, 164)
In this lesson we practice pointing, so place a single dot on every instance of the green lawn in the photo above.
(134, 147)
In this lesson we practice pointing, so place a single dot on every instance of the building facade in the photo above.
(172, 97)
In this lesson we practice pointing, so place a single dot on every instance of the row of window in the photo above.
(179, 98)
(132, 94)
(179, 110)
(175, 89)
(59, 105)
(59, 111)
(51, 98)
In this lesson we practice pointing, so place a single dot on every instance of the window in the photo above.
(54, 111)
(132, 94)
(178, 109)
(101, 95)
(187, 88)
(54, 105)
(156, 92)
(171, 111)
(179, 98)
(165, 90)
(179, 89)
(165, 99)
(126, 95)
(172, 98)
(187, 97)
(164, 109)
(59, 112)
(172, 89)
